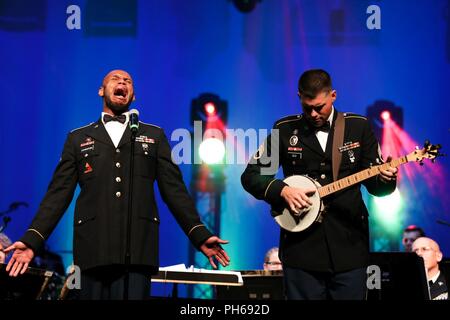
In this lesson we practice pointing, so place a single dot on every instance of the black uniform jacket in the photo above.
(340, 242)
(91, 160)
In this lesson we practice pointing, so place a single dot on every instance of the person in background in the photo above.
(429, 250)
(5, 242)
(272, 261)
(410, 234)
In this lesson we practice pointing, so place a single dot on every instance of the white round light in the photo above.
(211, 151)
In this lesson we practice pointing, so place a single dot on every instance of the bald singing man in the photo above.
(429, 250)
(97, 158)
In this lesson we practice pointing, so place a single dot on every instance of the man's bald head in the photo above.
(426, 242)
(113, 72)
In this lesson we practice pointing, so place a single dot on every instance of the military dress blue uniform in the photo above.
(340, 242)
(91, 160)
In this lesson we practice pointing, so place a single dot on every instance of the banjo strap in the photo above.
(338, 140)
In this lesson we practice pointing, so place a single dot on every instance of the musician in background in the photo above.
(429, 250)
(271, 260)
(5, 242)
(410, 234)
(329, 259)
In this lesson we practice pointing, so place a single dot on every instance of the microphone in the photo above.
(134, 120)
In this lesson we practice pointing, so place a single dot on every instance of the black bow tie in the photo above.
(121, 118)
(325, 127)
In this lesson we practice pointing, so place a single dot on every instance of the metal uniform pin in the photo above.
(293, 140)
(351, 156)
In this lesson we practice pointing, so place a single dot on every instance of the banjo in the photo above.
(296, 222)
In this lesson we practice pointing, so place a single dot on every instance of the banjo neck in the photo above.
(355, 178)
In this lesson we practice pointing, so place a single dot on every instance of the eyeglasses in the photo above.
(272, 263)
(423, 249)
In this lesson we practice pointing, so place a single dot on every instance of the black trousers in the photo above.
(108, 283)
(310, 285)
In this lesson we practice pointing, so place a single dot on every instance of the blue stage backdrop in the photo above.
(52, 64)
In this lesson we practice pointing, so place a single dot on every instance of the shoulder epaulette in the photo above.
(82, 127)
(149, 124)
(294, 117)
(349, 115)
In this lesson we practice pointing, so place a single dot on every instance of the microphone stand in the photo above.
(129, 216)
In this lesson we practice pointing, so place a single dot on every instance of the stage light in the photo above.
(385, 115)
(388, 210)
(210, 109)
(245, 6)
(212, 151)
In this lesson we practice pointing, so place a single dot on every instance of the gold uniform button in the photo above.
(80, 221)
(118, 194)
(118, 164)
(118, 179)
(156, 219)
(117, 150)
(322, 176)
(86, 155)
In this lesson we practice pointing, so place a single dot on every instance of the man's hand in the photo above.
(20, 259)
(297, 198)
(212, 248)
(390, 174)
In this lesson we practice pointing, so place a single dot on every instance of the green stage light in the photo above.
(388, 210)
(212, 151)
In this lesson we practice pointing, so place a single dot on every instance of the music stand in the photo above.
(28, 286)
(403, 276)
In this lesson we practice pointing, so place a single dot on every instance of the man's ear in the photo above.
(101, 91)
(438, 256)
(333, 95)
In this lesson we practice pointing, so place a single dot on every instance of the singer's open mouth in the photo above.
(121, 92)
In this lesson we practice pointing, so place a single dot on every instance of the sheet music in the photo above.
(182, 268)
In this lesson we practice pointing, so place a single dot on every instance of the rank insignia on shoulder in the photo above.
(259, 152)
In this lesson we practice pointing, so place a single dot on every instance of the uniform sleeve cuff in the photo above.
(33, 239)
(273, 192)
(199, 234)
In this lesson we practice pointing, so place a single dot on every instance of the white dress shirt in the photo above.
(116, 129)
(322, 136)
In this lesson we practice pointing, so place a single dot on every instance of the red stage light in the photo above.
(385, 115)
(210, 109)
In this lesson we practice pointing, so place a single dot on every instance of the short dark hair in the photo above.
(414, 228)
(313, 82)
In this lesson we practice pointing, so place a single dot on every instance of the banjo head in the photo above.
(293, 223)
